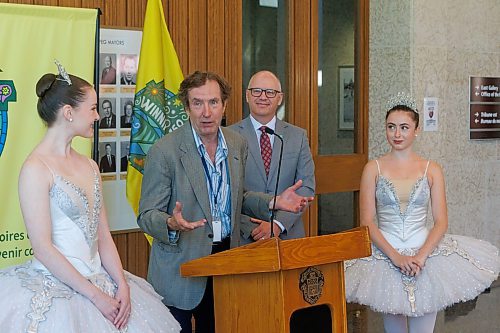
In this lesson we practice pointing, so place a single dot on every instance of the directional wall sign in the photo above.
(484, 108)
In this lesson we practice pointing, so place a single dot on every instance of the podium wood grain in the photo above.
(256, 287)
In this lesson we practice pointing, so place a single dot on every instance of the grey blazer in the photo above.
(174, 172)
(297, 164)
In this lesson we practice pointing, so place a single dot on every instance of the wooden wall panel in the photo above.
(215, 38)
(133, 249)
(114, 13)
(233, 62)
(96, 4)
(300, 78)
(177, 24)
(46, 2)
(136, 9)
(24, 2)
(197, 36)
(70, 3)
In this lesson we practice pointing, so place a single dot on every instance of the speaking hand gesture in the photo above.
(177, 222)
(290, 201)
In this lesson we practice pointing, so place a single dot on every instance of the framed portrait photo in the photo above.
(346, 97)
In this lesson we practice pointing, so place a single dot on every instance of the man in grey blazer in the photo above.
(193, 195)
(264, 96)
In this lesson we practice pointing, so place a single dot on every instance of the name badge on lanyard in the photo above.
(217, 228)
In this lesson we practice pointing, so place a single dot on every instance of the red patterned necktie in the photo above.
(265, 149)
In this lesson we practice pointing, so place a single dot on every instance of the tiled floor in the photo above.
(481, 315)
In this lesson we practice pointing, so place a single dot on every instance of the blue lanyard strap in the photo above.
(207, 173)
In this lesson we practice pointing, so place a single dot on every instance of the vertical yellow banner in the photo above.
(32, 37)
(157, 110)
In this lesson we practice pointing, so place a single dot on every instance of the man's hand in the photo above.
(177, 222)
(290, 201)
(263, 230)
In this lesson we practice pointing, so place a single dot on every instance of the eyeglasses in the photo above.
(270, 93)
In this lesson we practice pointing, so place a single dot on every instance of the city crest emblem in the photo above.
(311, 284)
(157, 111)
(7, 94)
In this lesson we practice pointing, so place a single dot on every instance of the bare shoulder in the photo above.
(371, 169)
(34, 171)
(434, 172)
(434, 167)
(93, 163)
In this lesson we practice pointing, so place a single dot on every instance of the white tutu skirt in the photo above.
(33, 301)
(458, 270)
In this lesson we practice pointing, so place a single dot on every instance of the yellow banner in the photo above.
(32, 37)
(157, 110)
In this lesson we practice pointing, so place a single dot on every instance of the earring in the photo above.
(416, 135)
(70, 120)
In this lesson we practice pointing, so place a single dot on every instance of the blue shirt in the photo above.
(218, 182)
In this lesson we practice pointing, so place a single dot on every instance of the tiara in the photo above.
(62, 72)
(403, 99)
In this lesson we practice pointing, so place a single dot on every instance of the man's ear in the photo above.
(246, 96)
(281, 95)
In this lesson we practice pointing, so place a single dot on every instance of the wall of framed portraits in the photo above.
(118, 63)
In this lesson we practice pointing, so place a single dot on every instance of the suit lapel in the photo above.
(254, 147)
(191, 161)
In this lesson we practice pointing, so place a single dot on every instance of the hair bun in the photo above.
(44, 84)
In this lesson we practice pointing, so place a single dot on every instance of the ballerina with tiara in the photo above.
(75, 282)
(413, 271)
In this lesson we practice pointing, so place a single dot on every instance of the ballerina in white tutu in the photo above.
(76, 282)
(413, 271)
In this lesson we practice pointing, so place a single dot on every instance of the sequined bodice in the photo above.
(402, 227)
(75, 219)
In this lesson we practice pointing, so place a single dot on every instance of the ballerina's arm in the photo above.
(34, 187)
(112, 263)
(439, 213)
(368, 214)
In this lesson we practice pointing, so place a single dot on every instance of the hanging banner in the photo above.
(32, 37)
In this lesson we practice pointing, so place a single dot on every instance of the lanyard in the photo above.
(215, 194)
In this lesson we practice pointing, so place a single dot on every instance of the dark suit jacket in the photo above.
(174, 172)
(124, 81)
(123, 164)
(103, 123)
(108, 76)
(104, 165)
(297, 164)
(123, 124)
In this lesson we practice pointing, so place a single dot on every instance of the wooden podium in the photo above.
(259, 286)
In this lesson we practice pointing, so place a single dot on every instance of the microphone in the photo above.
(270, 131)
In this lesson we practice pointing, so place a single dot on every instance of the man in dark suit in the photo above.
(129, 71)
(109, 119)
(264, 96)
(108, 75)
(108, 161)
(124, 159)
(126, 119)
(192, 196)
